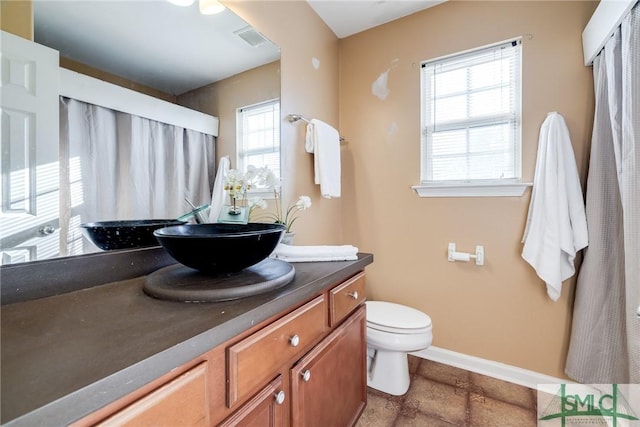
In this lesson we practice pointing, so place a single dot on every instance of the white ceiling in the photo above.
(176, 49)
(349, 17)
(171, 48)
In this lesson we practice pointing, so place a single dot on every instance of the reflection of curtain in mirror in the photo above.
(127, 167)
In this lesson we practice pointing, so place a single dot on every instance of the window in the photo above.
(471, 117)
(258, 136)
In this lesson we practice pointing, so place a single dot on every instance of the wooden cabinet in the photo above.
(304, 367)
(180, 402)
(328, 385)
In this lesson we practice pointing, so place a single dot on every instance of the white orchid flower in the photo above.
(257, 202)
(304, 202)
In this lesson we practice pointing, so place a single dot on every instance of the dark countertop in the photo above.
(67, 355)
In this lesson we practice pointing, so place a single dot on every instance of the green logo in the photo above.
(581, 404)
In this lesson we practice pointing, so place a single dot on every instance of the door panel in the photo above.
(30, 168)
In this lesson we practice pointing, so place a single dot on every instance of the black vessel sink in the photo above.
(220, 248)
(109, 235)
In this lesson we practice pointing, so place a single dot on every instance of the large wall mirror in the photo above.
(216, 64)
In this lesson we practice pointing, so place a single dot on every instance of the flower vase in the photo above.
(233, 206)
(287, 238)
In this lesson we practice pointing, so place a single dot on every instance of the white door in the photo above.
(30, 169)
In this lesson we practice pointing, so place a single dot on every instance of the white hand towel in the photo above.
(315, 253)
(218, 194)
(324, 142)
(556, 226)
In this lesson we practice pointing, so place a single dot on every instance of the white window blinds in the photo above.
(471, 116)
(258, 142)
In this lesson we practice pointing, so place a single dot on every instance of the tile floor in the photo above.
(442, 395)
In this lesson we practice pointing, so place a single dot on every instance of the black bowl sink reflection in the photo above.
(109, 235)
(220, 248)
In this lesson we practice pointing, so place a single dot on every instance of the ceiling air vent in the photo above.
(251, 36)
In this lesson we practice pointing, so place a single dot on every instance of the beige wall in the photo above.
(500, 311)
(305, 90)
(16, 17)
(224, 97)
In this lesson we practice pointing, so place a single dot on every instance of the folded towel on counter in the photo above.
(315, 253)
(324, 142)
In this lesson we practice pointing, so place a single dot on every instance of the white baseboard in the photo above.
(490, 368)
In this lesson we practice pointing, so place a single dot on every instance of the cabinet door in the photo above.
(30, 201)
(265, 409)
(329, 385)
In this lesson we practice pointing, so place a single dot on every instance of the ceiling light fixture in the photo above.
(207, 7)
(210, 7)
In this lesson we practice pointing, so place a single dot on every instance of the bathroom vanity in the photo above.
(110, 355)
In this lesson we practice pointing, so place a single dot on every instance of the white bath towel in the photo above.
(556, 226)
(218, 195)
(292, 253)
(324, 142)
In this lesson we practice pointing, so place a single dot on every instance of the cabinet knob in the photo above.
(353, 294)
(306, 375)
(294, 341)
(279, 397)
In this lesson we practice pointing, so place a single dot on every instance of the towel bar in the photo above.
(295, 117)
(292, 118)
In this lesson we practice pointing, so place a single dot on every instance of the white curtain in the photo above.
(127, 167)
(605, 336)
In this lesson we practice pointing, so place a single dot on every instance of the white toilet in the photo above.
(393, 330)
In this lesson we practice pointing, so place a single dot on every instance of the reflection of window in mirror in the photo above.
(258, 137)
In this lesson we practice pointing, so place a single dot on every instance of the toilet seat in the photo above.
(396, 318)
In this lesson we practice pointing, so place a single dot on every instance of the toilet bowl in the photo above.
(393, 331)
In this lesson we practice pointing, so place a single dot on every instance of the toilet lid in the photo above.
(396, 316)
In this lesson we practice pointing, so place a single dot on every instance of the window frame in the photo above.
(240, 146)
(471, 187)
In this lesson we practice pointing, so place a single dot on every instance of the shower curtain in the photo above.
(605, 336)
(121, 166)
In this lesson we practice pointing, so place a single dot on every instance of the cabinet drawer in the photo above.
(254, 360)
(182, 401)
(344, 298)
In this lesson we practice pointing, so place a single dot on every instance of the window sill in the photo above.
(262, 194)
(472, 190)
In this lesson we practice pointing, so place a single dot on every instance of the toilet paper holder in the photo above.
(453, 256)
